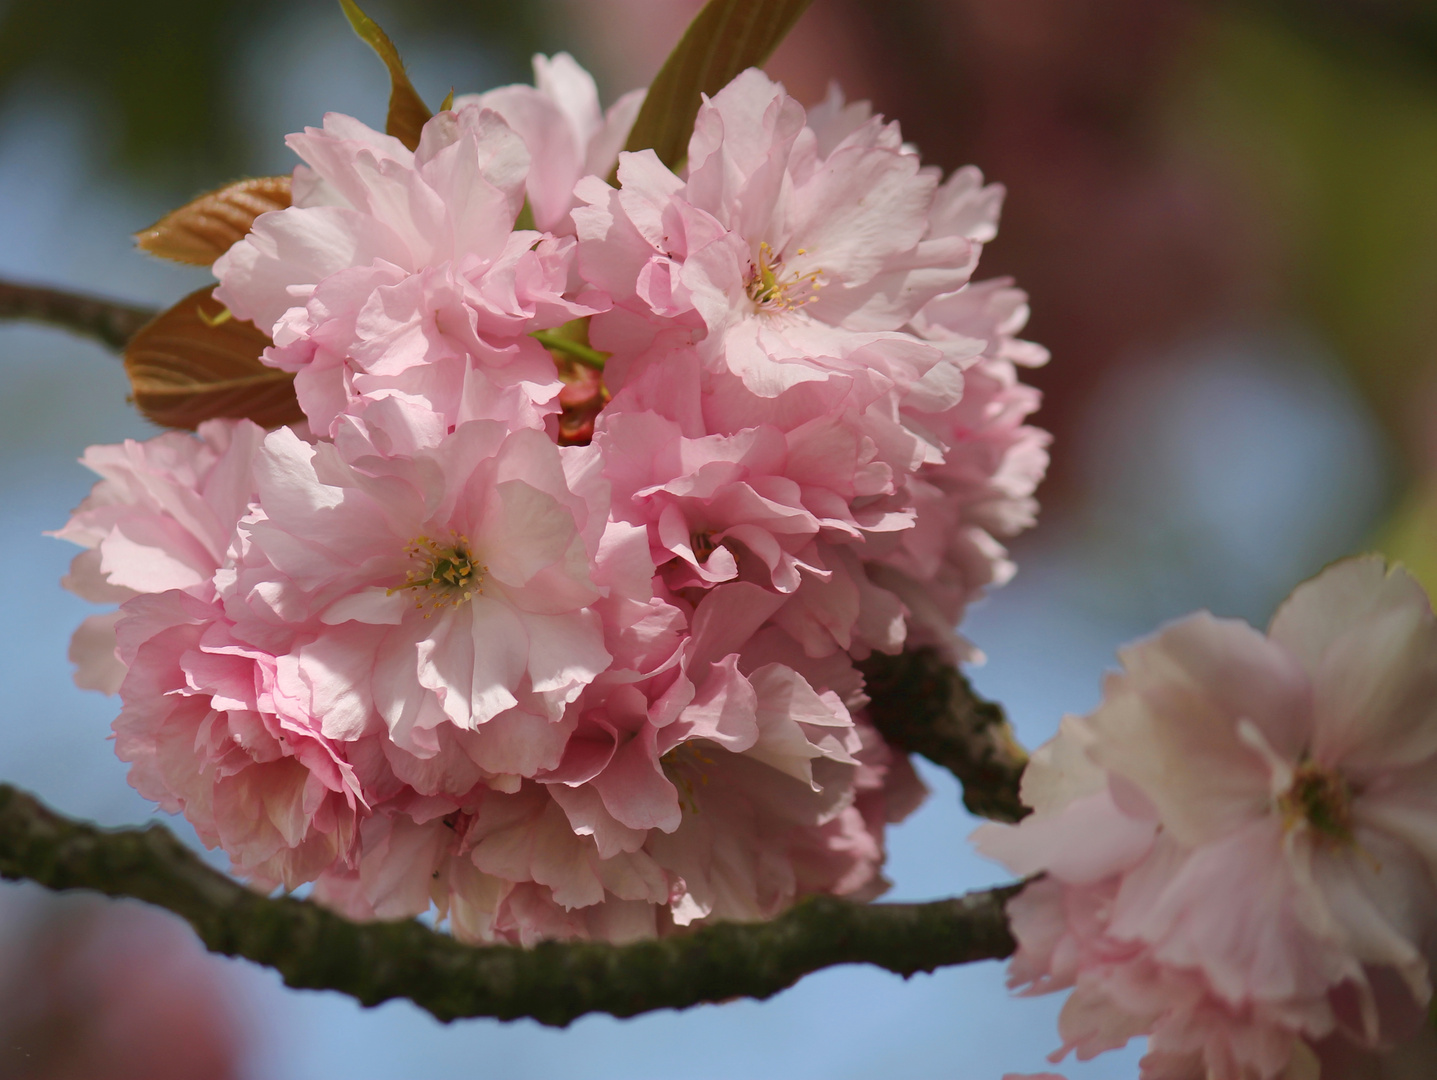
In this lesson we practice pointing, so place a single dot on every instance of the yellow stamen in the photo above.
(446, 574)
(771, 290)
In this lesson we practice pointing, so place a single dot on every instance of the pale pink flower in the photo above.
(722, 773)
(784, 256)
(399, 273)
(209, 732)
(812, 478)
(430, 660)
(162, 517)
(1240, 843)
(568, 137)
(725, 795)
(451, 587)
(867, 376)
(709, 500)
(981, 492)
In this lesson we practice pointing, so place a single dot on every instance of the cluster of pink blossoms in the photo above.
(1240, 844)
(432, 648)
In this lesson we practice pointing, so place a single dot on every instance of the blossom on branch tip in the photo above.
(567, 136)
(1239, 845)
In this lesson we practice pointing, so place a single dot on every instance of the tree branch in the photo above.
(553, 982)
(924, 705)
(107, 321)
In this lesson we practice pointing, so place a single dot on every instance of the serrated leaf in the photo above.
(407, 111)
(204, 229)
(726, 37)
(195, 362)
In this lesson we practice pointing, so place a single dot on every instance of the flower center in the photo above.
(684, 766)
(703, 545)
(771, 290)
(1320, 798)
(445, 574)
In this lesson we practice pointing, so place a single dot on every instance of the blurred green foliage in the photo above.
(161, 71)
(1379, 28)
(1337, 145)
(1328, 108)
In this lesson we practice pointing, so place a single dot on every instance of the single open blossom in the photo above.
(1240, 843)
(783, 254)
(852, 329)
(567, 136)
(399, 273)
(701, 785)
(451, 587)
(702, 499)
(209, 731)
(162, 517)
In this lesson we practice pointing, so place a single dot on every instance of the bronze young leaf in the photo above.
(195, 362)
(203, 229)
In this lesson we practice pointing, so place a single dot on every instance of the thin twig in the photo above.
(553, 982)
(924, 705)
(107, 321)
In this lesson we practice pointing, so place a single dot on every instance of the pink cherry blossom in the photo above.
(834, 454)
(567, 136)
(399, 274)
(925, 477)
(162, 517)
(981, 492)
(1240, 843)
(451, 587)
(426, 658)
(209, 731)
(700, 498)
(725, 795)
(783, 255)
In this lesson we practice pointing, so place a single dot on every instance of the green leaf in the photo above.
(726, 37)
(407, 111)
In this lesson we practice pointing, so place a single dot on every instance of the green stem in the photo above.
(587, 355)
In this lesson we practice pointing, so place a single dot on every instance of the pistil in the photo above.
(772, 290)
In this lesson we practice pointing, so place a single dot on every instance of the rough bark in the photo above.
(924, 705)
(553, 982)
